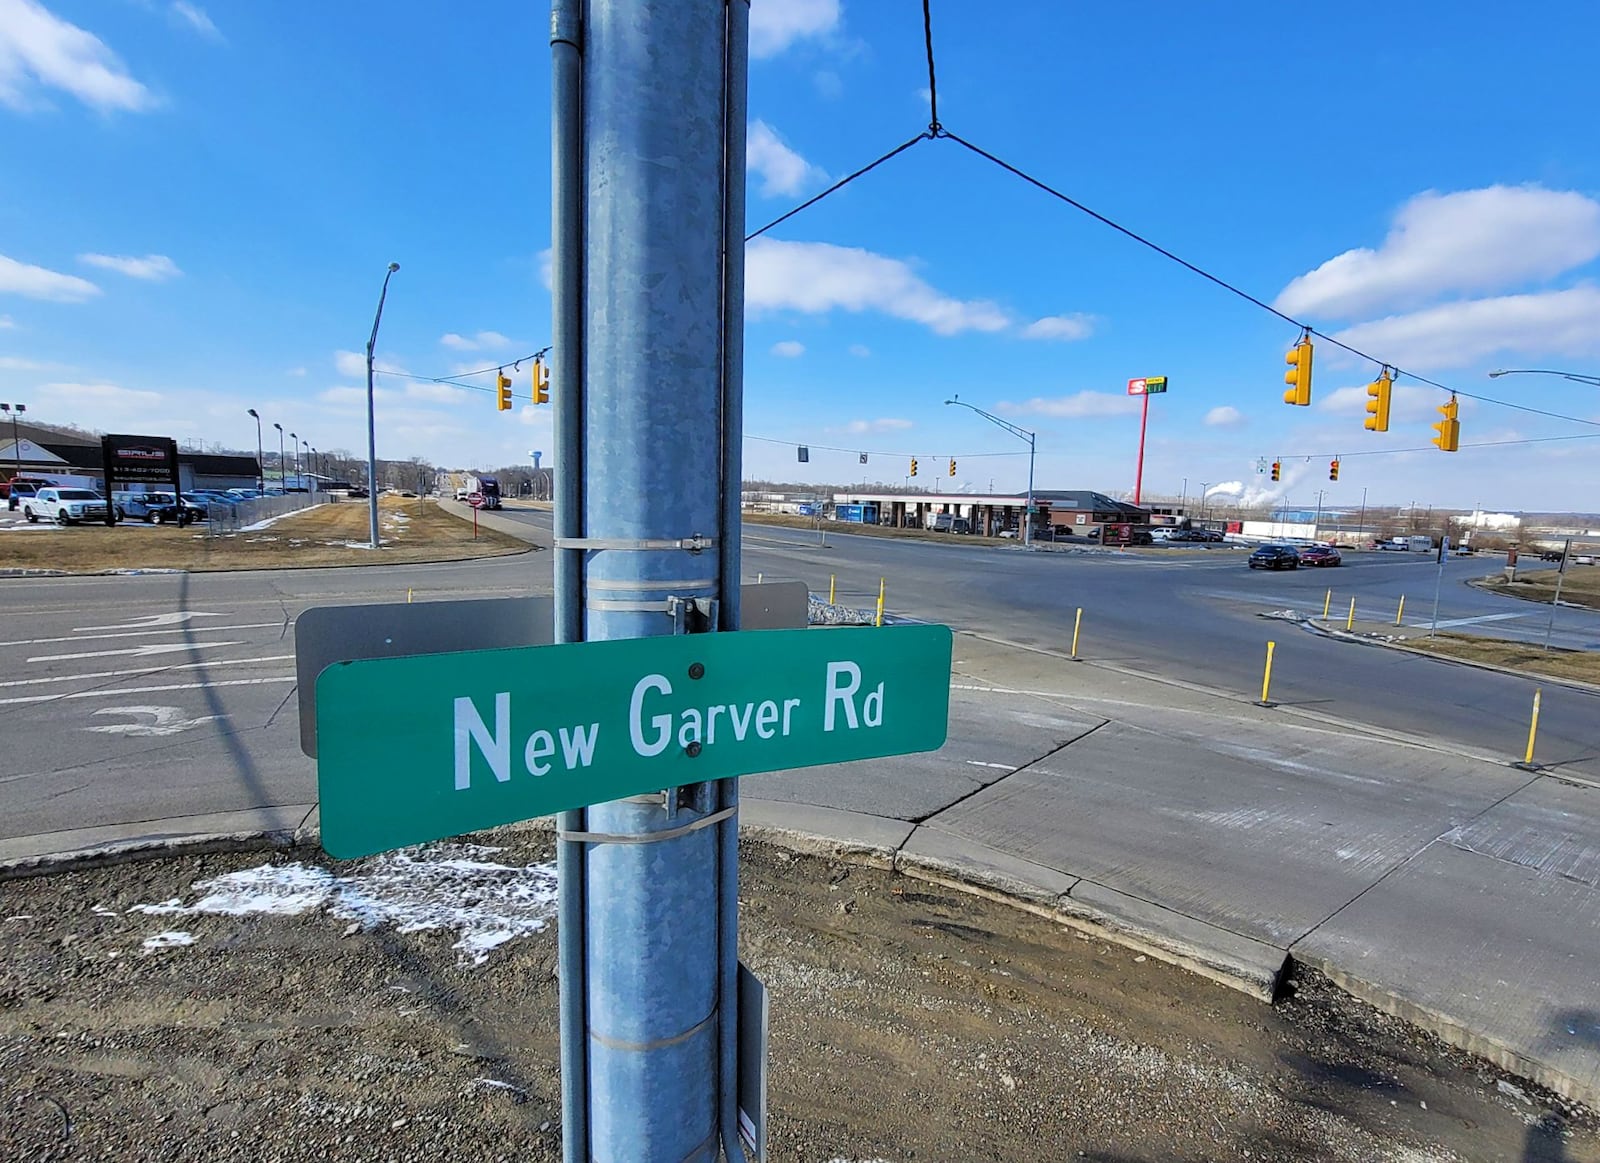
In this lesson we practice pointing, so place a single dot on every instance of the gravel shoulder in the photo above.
(908, 1022)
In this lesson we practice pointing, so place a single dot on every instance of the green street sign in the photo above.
(420, 748)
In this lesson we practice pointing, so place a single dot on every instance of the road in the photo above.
(172, 695)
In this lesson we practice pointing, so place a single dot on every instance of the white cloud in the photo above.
(1460, 334)
(1407, 402)
(482, 341)
(13, 363)
(1224, 416)
(545, 268)
(782, 170)
(860, 350)
(776, 24)
(38, 48)
(297, 371)
(816, 277)
(1063, 327)
(7, 323)
(1082, 404)
(864, 427)
(1475, 240)
(76, 398)
(157, 268)
(195, 18)
(20, 278)
(789, 349)
(440, 393)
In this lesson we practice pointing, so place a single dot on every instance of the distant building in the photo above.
(1073, 511)
(49, 455)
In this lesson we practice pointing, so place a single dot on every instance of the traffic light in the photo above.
(1380, 390)
(503, 391)
(913, 466)
(541, 382)
(1277, 470)
(952, 466)
(1449, 429)
(1298, 377)
(1333, 469)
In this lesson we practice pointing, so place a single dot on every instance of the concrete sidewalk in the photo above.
(1445, 887)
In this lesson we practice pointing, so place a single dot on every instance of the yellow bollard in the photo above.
(1401, 610)
(831, 579)
(1326, 602)
(1350, 622)
(1533, 728)
(408, 595)
(758, 579)
(879, 622)
(1266, 677)
(1077, 624)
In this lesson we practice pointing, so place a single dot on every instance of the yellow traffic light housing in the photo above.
(952, 466)
(1277, 470)
(1448, 429)
(1298, 377)
(1380, 390)
(541, 382)
(1333, 469)
(913, 466)
(503, 391)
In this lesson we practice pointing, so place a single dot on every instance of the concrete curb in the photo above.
(1452, 1031)
(1503, 592)
(1347, 636)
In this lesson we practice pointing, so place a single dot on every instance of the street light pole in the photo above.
(16, 441)
(372, 431)
(261, 470)
(283, 484)
(1575, 377)
(294, 439)
(1020, 434)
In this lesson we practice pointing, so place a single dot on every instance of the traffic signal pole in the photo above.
(647, 274)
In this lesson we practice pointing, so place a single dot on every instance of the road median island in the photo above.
(284, 1006)
(1580, 587)
(333, 534)
(1578, 668)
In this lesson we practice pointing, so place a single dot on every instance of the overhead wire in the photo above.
(858, 450)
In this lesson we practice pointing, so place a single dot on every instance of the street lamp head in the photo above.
(953, 400)
(254, 413)
(278, 426)
(394, 266)
(1497, 372)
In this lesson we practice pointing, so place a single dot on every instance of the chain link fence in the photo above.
(225, 518)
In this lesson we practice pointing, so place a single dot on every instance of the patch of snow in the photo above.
(171, 939)
(256, 526)
(443, 886)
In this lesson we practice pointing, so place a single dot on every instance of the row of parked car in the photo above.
(1289, 557)
(67, 506)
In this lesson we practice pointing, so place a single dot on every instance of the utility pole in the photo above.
(648, 117)
(1021, 434)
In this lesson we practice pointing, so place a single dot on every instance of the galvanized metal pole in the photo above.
(661, 113)
(566, 375)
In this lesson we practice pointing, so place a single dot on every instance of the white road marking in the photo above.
(148, 620)
(981, 763)
(163, 721)
(146, 690)
(144, 651)
(145, 670)
(140, 633)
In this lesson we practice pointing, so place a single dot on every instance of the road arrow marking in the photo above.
(145, 651)
(147, 620)
(163, 721)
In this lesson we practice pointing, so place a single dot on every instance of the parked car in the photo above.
(1320, 555)
(152, 508)
(20, 491)
(1550, 555)
(65, 506)
(1275, 557)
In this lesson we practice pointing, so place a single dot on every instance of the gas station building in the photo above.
(987, 515)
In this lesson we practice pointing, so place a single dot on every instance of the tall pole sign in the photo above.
(1144, 386)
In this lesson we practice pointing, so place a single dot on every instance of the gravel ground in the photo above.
(405, 1010)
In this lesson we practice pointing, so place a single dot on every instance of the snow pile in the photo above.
(444, 886)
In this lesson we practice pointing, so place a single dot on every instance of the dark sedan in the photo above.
(1275, 557)
(1320, 555)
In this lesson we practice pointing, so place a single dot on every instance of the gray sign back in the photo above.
(324, 635)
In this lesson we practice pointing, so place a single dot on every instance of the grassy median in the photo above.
(332, 534)
(1582, 665)
(1581, 587)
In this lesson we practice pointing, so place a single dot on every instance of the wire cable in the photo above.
(1434, 448)
(933, 87)
(1246, 295)
(878, 452)
(839, 185)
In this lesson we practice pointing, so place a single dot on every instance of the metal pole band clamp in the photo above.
(583, 544)
(647, 837)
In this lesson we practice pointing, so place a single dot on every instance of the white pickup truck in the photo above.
(65, 506)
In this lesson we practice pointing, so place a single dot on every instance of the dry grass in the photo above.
(1581, 587)
(331, 534)
(1582, 665)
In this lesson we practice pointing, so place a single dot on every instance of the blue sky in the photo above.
(197, 203)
